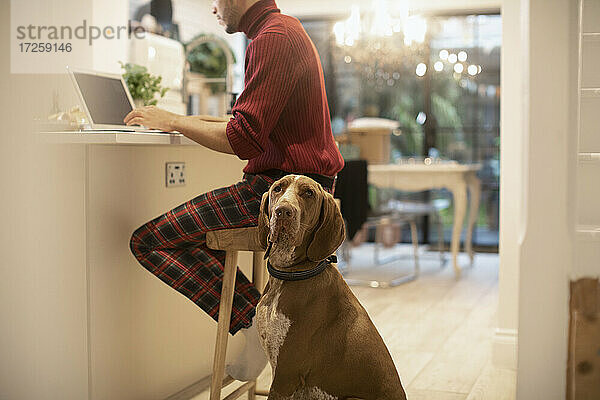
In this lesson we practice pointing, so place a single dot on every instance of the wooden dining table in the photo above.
(455, 177)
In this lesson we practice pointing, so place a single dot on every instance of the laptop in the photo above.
(106, 101)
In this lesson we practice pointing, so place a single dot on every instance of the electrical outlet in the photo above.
(175, 174)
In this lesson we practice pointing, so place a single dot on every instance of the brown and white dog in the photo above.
(320, 341)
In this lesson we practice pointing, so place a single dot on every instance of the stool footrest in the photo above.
(228, 380)
(241, 390)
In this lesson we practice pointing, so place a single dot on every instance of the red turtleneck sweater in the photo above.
(281, 119)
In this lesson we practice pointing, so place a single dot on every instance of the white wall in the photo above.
(44, 338)
(43, 289)
(43, 335)
(147, 341)
(107, 52)
(549, 62)
(511, 185)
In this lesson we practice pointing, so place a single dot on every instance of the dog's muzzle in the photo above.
(285, 222)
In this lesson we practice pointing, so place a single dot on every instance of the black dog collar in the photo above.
(300, 275)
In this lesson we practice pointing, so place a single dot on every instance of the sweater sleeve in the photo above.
(272, 71)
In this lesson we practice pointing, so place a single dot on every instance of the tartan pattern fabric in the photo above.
(173, 247)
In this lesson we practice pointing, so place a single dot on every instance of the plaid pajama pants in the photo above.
(173, 247)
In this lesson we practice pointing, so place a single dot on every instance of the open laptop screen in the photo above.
(104, 97)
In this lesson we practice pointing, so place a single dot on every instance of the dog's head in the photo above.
(301, 220)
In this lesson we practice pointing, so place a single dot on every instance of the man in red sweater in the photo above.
(281, 125)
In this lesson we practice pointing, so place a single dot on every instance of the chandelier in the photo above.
(383, 40)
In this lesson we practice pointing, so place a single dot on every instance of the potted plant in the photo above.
(142, 85)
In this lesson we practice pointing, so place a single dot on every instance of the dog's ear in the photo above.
(263, 220)
(329, 233)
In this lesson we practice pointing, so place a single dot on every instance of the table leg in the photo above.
(474, 185)
(459, 193)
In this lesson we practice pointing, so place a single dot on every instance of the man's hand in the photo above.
(152, 117)
(211, 134)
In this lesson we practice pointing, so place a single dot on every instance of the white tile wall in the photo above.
(587, 255)
(591, 16)
(588, 171)
(588, 193)
(134, 5)
(587, 246)
(591, 60)
(589, 136)
(194, 17)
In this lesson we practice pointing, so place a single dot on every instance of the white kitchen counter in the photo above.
(114, 137)
(129, 335)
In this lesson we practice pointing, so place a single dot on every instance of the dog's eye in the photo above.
(277, 189)
(309, 193)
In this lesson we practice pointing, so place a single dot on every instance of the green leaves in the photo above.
(208, 58)
(141, 84)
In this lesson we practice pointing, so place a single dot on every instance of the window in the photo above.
(449, 106)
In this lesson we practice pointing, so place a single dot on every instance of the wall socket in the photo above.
(175, 174)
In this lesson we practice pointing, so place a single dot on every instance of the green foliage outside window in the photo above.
(210, 60)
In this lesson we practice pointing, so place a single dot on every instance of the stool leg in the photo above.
(223, 324)
(258, 270)
(258, 278)
(252, 391)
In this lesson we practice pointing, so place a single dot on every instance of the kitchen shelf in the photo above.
(589, 157)
(591, 92)
(590, 37)
(588, 232)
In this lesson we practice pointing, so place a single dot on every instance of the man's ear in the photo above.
(330, 231)
(263, 220)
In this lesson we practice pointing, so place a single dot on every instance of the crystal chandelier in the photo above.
(383, 40)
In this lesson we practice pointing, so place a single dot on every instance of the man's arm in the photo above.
(272, 72)
(210, 118)
(210, 134)
(205, 130)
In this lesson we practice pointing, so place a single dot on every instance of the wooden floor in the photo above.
(438, 329)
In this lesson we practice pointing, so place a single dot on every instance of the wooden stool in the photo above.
(232, 241)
